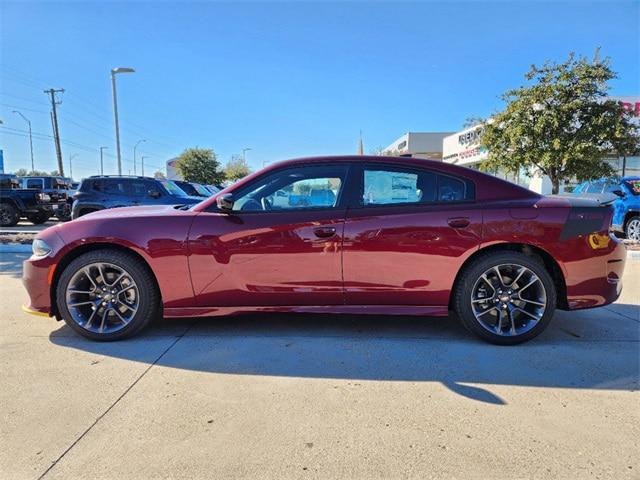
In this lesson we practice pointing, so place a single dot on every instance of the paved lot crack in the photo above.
(127, 390)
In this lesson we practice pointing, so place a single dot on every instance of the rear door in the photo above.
(407, 236)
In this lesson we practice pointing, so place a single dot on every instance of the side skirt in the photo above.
(418, 310)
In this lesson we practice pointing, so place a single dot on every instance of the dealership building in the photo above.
(463, 148)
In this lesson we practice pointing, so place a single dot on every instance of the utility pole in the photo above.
(101, 162)
(142, 163)
(114, 72)
(134, 155)
(71, 157)
(54, 121)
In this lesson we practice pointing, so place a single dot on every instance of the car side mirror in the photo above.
(225, 202)
(619, 193)
(154, 194)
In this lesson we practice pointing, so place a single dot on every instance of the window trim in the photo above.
(341, 201)
(358, 189)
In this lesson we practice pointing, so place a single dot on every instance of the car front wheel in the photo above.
(8, 215)
(505, 298)
(107, 295)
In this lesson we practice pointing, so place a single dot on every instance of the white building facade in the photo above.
(427, 145)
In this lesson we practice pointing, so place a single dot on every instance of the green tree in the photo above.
(159, 175)
(560, 123)
(236, 168)
(200, 165)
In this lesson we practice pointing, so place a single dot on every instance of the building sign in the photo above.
(463, 148)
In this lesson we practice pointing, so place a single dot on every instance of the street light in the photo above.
(134, 155)
(114, 72)
(71, 157)
(101, 162)
(30, 137)
(142, 163)
(243, 153)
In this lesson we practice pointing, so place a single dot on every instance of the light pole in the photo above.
(134, 155)
(71, 157)
(101, 162)
(114, 72)
(244, 150)
(142, 163)
(30, 136)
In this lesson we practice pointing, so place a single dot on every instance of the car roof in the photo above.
(488, 187)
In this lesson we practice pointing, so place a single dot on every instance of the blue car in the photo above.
(104, 191)
(626, 209)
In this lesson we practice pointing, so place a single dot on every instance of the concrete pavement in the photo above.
(320, 397)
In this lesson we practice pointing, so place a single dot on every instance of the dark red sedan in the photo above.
(375, 235)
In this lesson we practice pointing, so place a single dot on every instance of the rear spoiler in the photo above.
(587, 199)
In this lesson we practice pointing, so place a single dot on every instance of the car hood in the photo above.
(132, 212)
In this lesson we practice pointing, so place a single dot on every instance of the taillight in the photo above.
(43, 197)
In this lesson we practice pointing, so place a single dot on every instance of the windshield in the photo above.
(201, 189)
(173, 189)
(633, 185)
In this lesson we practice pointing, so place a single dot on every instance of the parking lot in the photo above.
(302, 396)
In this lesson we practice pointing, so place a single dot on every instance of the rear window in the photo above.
(34, 183)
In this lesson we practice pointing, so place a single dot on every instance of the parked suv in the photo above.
(16, 202)
(100, 192)
(58, 189)
(626, 209)
(194, 189)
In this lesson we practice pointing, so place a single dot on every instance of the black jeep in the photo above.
(58, 189)
(16, 202)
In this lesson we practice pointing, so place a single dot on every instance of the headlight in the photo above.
(43, 197)
(40, 248)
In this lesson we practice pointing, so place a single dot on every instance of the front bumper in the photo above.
(37, 274)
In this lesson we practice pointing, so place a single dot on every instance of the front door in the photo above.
(280, 246)
(407, 237)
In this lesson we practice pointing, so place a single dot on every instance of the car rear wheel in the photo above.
(8, 215)
(107, 295)
(632, 229)
(505, 298)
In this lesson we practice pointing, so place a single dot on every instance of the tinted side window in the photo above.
(294, 188)
(34, 183)
(138, 188)
(387, 185)
(115, 186)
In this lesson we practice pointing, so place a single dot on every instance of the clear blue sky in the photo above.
(286, 79)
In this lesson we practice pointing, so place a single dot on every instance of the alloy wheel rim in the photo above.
(508, 300)
(633, 230)
(102, 297)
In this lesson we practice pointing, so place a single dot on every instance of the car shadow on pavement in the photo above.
(593, 351)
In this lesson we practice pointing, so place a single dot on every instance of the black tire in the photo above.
(9, 216)
(149, 297)
(464, 290)
(38, 218)
(632, 228)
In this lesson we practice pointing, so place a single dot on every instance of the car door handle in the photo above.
(324, 232)
(458, 222)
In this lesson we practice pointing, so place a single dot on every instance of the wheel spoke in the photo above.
(526, 313)
(87, 273)
(486, 311)
(93, 314)
(534, 280)
(499, 324)
(540, 304)
(122, 319)
(84, 292)
(513, 323)
(497, 270)
(80, 303)
(486, 279)
(104, 318)
(522, 270)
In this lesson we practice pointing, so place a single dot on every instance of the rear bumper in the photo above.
(597, 280)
